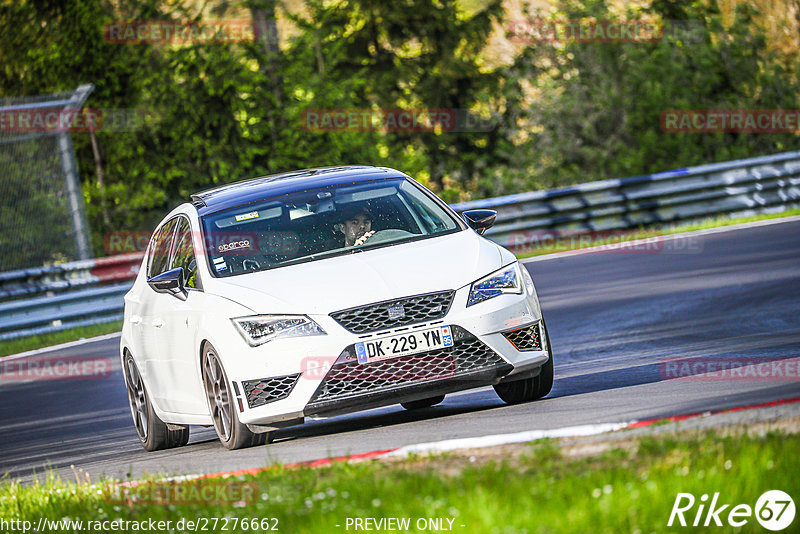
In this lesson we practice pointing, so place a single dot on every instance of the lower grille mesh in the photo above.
(525, 338)
(266, 390)
(352, 379)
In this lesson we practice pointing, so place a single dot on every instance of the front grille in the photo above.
(525, 338)
(266, 390)
(373, 317)
(350, 378)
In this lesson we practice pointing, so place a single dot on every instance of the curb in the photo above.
(489, 441)
(684, 417)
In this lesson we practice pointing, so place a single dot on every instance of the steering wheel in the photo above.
(390, 234)
(363, 239)
(252, 262)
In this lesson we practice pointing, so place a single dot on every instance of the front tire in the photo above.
(231, 432)
(529, 389)
(153, 433)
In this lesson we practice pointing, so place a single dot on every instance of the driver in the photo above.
(356, 227)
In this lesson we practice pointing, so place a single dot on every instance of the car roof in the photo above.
(256, 189)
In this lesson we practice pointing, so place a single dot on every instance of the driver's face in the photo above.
(355, 228)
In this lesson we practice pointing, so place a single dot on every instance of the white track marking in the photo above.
(504, 439)
(36, 352)
(668, 237)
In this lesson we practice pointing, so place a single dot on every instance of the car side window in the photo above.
(159, 249)
(183, 253)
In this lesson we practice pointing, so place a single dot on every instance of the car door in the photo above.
(144, 310)
(175, 322)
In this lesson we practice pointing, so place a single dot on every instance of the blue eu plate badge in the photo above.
(361, 353)
(447, 336)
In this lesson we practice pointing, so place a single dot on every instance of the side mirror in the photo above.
(480, 220)
(170, 282)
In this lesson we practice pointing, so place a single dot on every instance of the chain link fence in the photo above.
(42, 213)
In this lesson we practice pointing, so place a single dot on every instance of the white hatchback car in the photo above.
(321, 292)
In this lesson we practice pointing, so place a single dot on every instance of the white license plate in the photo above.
(404, 344)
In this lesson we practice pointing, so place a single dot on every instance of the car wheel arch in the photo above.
(144, 377)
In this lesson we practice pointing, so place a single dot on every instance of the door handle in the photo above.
(135, 319)
(158, 323)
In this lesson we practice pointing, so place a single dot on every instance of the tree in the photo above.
(599, 104)
(409, 55)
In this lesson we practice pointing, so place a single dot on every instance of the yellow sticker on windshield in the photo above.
(246, 216)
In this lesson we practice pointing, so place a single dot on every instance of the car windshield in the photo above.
(320, 223)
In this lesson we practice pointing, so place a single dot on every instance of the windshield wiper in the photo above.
(312, 257)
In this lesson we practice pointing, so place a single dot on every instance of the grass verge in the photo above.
(15, 346)
(542, 489)
(574, 241)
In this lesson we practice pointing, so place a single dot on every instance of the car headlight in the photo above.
(259, 329)
(506, 280)
(526, 277)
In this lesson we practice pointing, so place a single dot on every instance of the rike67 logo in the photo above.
(774, 510)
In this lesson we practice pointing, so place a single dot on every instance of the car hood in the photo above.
(328, 285)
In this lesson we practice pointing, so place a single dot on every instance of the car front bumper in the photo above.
(285, 380)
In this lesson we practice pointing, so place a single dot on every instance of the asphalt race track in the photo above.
(615, 318)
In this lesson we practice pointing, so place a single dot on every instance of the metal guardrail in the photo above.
(49, 314)
(90, 291)
(68, 295)
(734, 188)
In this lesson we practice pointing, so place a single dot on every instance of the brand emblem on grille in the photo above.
(397, 312)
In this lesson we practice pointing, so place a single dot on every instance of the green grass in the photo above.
(541, 490)
(15, 346)
(622, 236)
